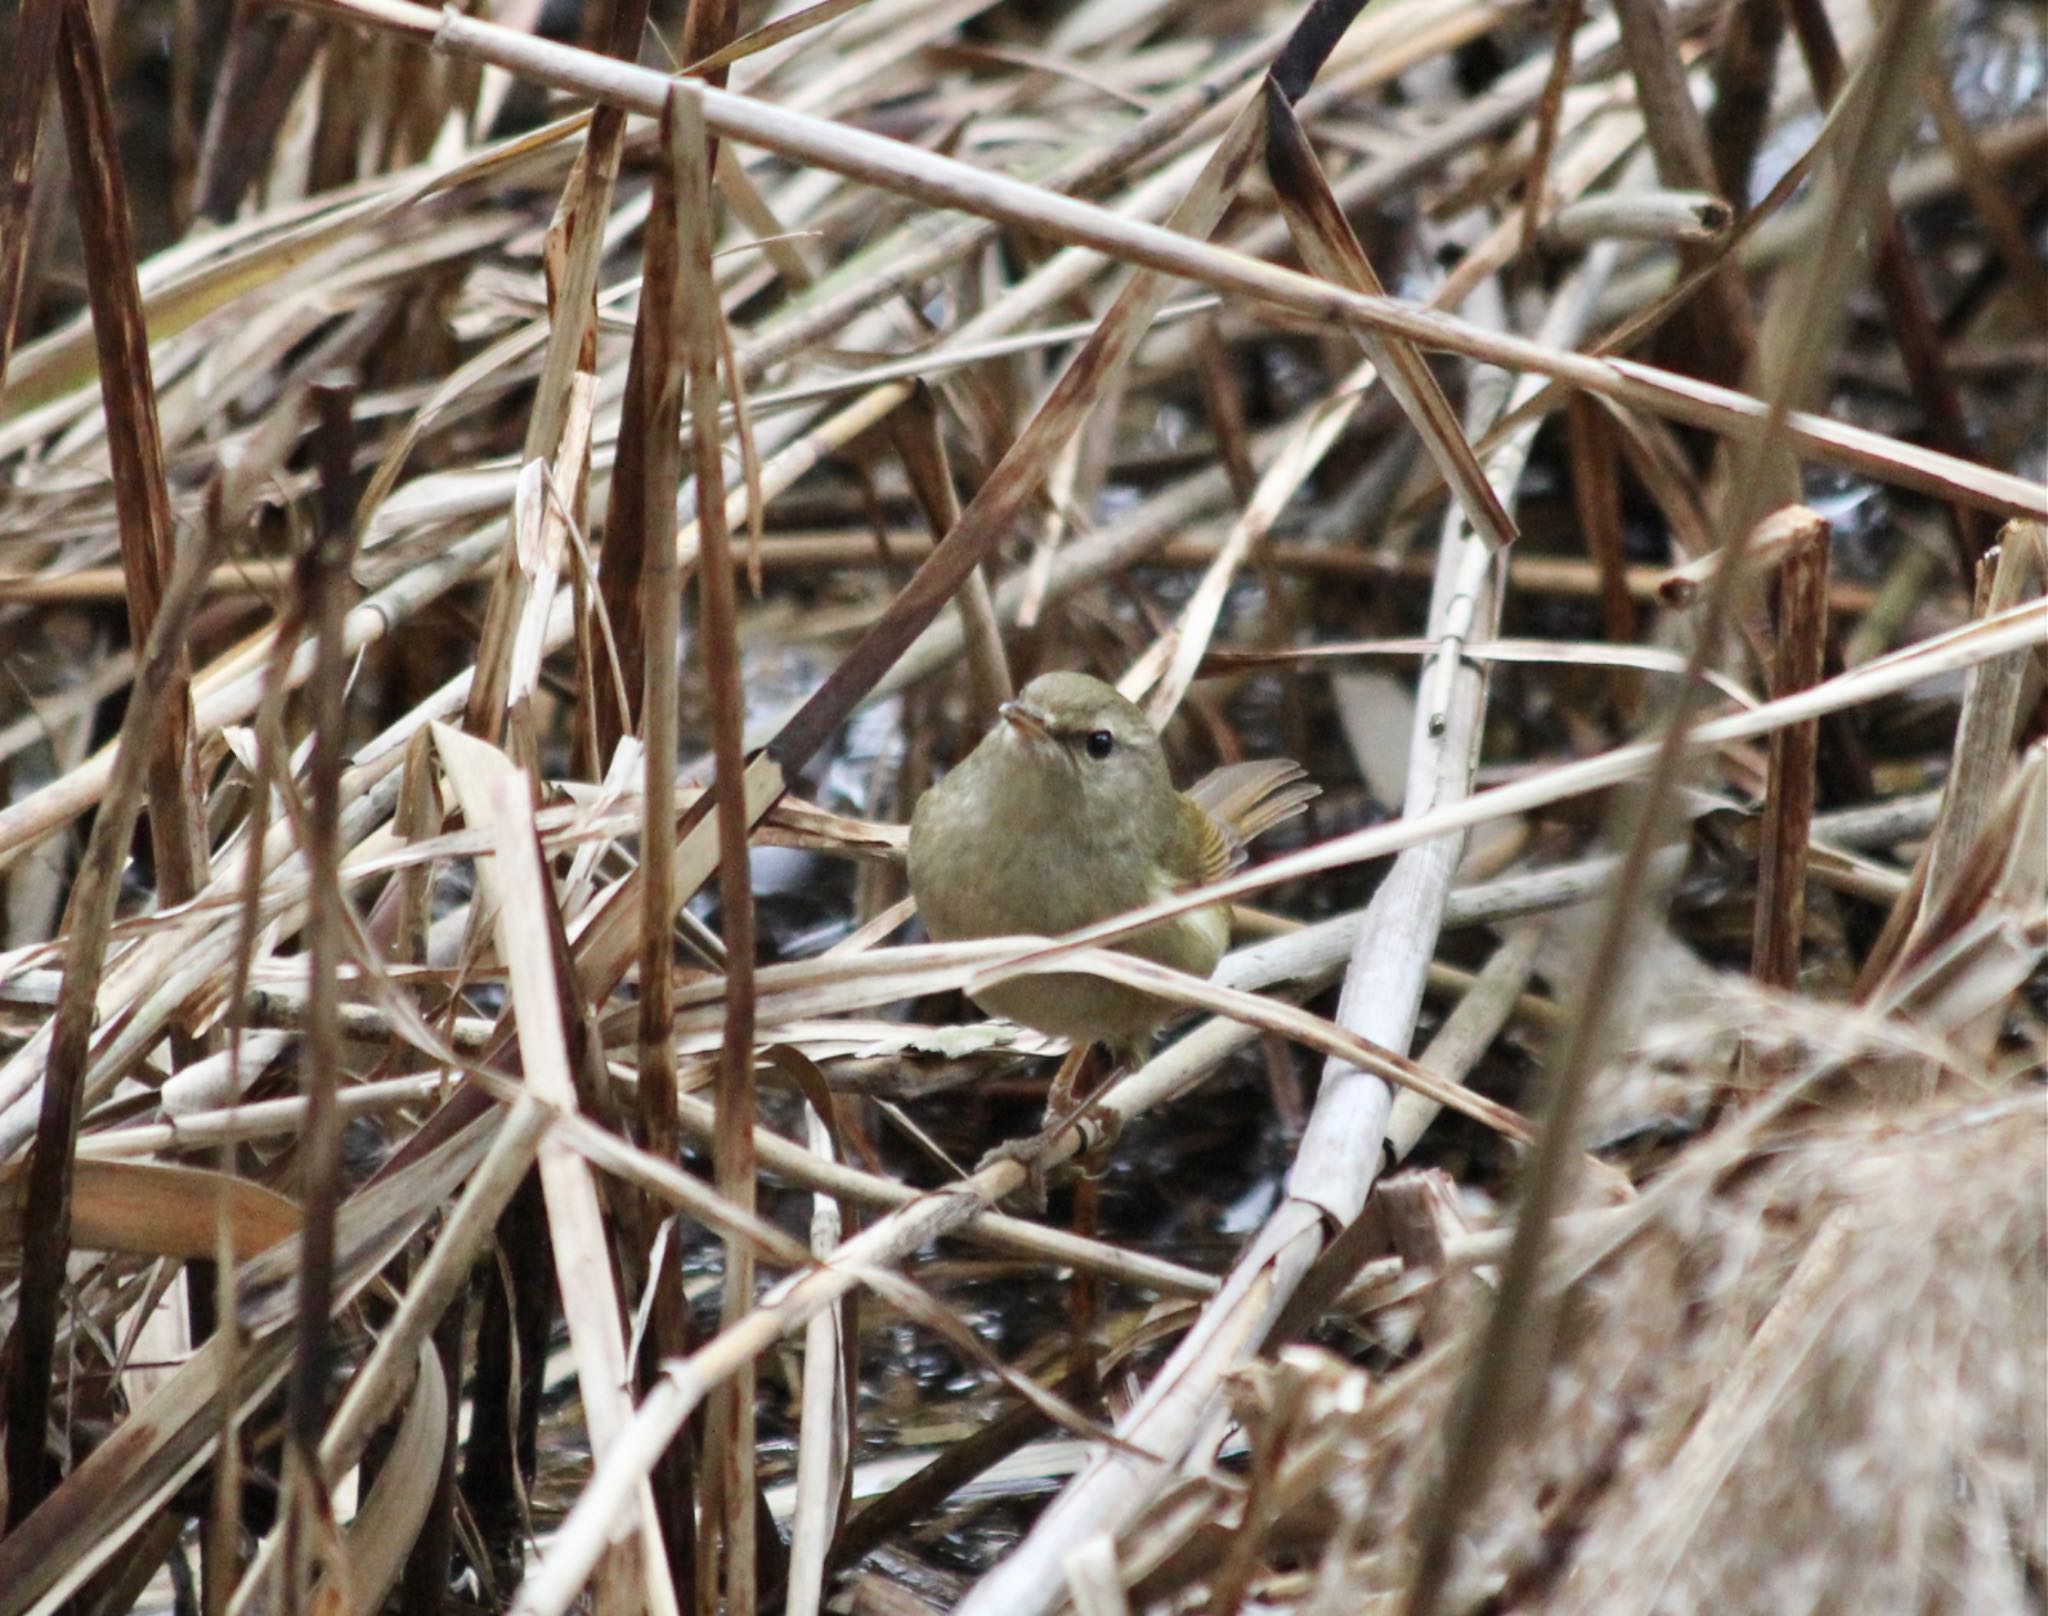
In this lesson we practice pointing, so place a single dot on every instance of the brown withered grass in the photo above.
(502, 511)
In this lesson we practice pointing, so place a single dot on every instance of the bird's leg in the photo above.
(1105, 1123)
(1066, 1083)
(1069, 1102)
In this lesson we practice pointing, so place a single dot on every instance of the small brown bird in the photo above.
(1065, 815)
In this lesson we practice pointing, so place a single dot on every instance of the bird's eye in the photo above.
(1100, 743)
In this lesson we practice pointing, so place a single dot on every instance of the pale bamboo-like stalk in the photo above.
(824, 1435)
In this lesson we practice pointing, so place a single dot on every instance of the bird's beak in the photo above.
(1025, 719)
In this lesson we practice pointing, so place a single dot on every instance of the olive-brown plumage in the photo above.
(1065, 815)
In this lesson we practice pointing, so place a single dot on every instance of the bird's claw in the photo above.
(1028, 1153)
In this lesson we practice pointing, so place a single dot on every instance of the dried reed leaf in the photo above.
(147, 1210)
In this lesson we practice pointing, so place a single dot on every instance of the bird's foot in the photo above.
(1029, 1153)
(1068, 1104)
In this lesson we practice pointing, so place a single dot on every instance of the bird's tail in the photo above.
(1249, 799)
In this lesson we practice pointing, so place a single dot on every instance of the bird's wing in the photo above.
(1205, 849)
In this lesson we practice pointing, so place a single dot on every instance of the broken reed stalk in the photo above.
(223, 1526)
(1801, 620)
(1979, 758)
(2016, 566)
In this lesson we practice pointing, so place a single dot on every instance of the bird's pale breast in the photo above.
(1042, 880)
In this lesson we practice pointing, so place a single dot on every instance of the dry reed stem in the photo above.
(33, 50)
(729, 1435)
(305, 1505)
(645, 489)
(134, 441)
(946, 183)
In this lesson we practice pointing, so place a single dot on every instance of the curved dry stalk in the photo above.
(945, 182)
